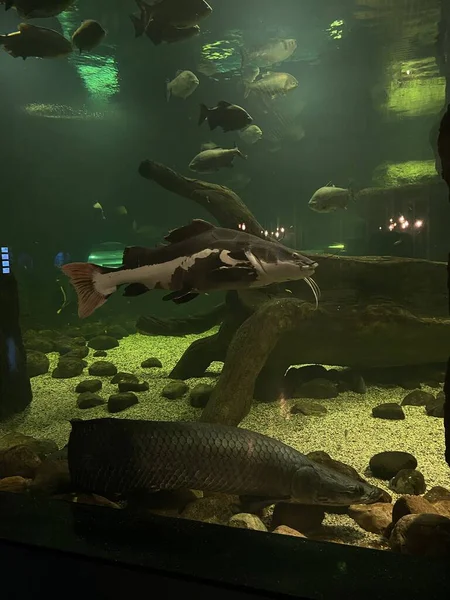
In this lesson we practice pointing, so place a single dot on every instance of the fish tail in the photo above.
(239, 153)
(85, 279)
(204, 114)
(139, 25)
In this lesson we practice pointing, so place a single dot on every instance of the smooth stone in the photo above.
(133, 386)
(103, 342)
(374, 518)
(122, 376)
(408, 481)
(89, 385)
(411, 505)
(389, 410)
(305, 407)
(68, 368)
(15, 485)
(422, 535)
(410, 384)
(417, 398)
(78, 352)
(437, 493)
(151, 363)
(38, 363)
(102, 368)
(317, 389)
(89, 400)
(247, 521)
(121, 401)
(435, 407)
(285, 530)
(116, 331)
(100, 354)
(200, 395)
(175, 389)
(40, 345)
(386, 465)
(19, 461)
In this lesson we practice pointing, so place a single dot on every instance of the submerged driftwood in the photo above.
(374, 312)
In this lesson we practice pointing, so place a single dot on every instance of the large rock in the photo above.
(102, 368)
(39, 345)
(422, 535)
(103, 342)
(19, 461)
(89, 400)
(435, 407)
(37, 363)
(151, 363)
(15, 485)
(89, 385)
(175, 389)
(437, 493)
(247, 521)
(417, 398)
(408, 481)
(285, 530)
(412, 505)
(372, 517)
(386, 465)
(116, 331)
(389, 410)
(308, 408)
(318, 389)
(133, 386)
(123, 376)
(67, 368)
(121, 401)
(200, 395)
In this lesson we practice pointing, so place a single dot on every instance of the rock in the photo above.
(78, 352)
(40, 447)
(103, 342)
(19, 460)
(295, 376)
(67, 368)
(52, 477)
(305, 407)
(372, 517)
(354, 381)
(151, 363)
(39, 345)
(16, 485)
(422, 535)
(303, 518)
(389, 410)
(14, 438)
(437, 493)
(100, 354)
(121, 401)
(102, 368)
(386, 465)
(175, 389)
(200, 395)
(285, 530)
(122, 376)
(90, 330)
(63, 345)
(89, 400)
(247, 521)
(417, 398)
(89, 385)
(133, 386)
(408, 481)
(219, 509)
(410, 384)
(37, 363)
(79, 341)
(411, 505)
(443, 507)
(117, 332)
(435, 407)
(317, 388)
(325, 459)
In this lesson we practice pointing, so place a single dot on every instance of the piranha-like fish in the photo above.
(178, 13)
(39, 42)
(214, 159)
(184, 84)
(251, 134)
(330, 198)
(271, 84)
(270, 53)
(38, 9)
(88, 35)
(199, 258)
(228, 116)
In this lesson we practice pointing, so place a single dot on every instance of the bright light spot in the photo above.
(266, 233)
(401, 219)
(282, 230)
(277, 234)
(408, 71)
(392, 226)
(418, 224)
(405, 225)
(391, 220)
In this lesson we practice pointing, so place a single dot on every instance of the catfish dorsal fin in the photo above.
(196, 227)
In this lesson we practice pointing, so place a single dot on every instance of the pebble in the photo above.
(285, 530)
(305, 407)
(89, 400)
(372, 517)
(122, 376)
(102, 368)
(437, 493)
(19, 460)
(121, 401)
(174, 390)
(247, 521)
(389, 410)
(151, 363)
(133, 386)
(422, 535)
(78, 352)
(200, 395)
(417, 398)
(116, 331)
(408, 481)
(89, 385)
(103, 342)
(386, 465)
(38, 363)
(435, 407)
(16, 485)
(411, 505)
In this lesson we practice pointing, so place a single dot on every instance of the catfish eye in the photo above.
(295, 255)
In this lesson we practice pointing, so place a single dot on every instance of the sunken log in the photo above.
(247, 354)
(221, 202)
(196, 324)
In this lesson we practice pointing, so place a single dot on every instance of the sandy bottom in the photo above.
(348, 432)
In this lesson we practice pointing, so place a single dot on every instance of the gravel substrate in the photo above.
(348, 432)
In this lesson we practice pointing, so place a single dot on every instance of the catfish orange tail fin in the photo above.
(84, 278)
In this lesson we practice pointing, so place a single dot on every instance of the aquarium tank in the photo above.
(224, 251)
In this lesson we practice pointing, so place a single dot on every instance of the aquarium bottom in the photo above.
(50, 541)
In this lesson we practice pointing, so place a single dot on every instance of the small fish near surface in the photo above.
(184, 84)
(330, 198)
(162, 32)
(38, 42)
(178, 13)
(268, 54)
(229, 117)
(251, 134)
(163, 455)
(88, 35)
(38, 9)
(210, 161)
(271, 84)
(198, 258)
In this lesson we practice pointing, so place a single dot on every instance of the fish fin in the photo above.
(168, 91)
(153, 32)
(239, 255)
(224, 104)
(138, 24)
(204, 113)
(137, 256)
(254, 504)
(135, 289)
(195, 227)
(83, 277)
(186, 298)
(238, 152)
(233, 275)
